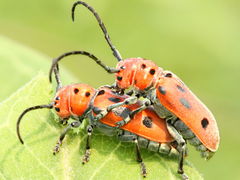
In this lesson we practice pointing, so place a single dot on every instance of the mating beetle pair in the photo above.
(182, 116)
(105, 108)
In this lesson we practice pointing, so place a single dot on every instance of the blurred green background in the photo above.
(197, 40)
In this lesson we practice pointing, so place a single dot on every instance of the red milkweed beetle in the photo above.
(187, 118)
(105, 108)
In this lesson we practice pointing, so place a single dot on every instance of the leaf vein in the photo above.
(33, 155)
(104, 162)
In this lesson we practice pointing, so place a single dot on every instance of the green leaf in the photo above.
(19, 64)
(110, 159)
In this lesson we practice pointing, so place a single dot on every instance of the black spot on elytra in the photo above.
(101, 92)
(119, 78)
(180, 88)
(162, 90)
(57, 98)
(152, 71)
(143, 66)
(114, 99)
(76, 90)
(168, 75)
(185, 103)
(147, 122)
(204, 123)
(87, 94)
(57, 109)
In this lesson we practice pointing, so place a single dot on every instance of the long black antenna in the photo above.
(57, 77)
(102, 26)
(49, 106)
(98, 61)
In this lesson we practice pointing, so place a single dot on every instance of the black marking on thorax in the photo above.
(101, 92)
(169, 75)
(76, 90)
(143, 66)
(87, 94)
(152, 71)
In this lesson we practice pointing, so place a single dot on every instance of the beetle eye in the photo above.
(57, 109)
(122, 67)
(119, 78)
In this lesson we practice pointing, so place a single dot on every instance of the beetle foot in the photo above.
(86, 156)
(184, 176)
(143, 169)
(56, 149)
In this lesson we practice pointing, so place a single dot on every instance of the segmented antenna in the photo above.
(49, 106)
(85, 53)
(102, 26)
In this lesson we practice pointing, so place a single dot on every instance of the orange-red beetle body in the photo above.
(74, 100)
(146, 123)
(80, 101)
(175, 96)
(137, 72)
(170, 97)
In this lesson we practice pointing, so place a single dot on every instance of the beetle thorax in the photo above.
(73, 100)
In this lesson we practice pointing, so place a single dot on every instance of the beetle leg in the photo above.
(104, 112)
(129, 137)
(129, 117)
(139, 159)
(181, 146)
(63, 121)
(74, 124)
(123, 122)
(130, 100)
(86, 156)
(146, 103)
(130, 93)
(113, 86)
